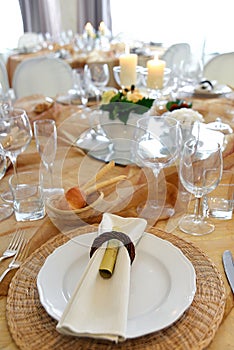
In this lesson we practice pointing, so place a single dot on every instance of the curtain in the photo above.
(41, 16)
(93, 11)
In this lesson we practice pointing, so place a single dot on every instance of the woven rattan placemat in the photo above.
(32, 328)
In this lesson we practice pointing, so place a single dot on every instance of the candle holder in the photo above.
(117, 70)
(158, 89)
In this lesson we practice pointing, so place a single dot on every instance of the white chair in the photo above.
(4, 77)
(221, 68)
(42, 75)
(175, 54)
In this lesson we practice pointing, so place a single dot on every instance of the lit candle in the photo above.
(102, 28)
(89, 29)
(128, 63)
(155, 73)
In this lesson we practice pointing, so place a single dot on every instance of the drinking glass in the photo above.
(5, 209)
(45, 133)
(200, 173)
(191, 71)
(98, 74)
(80, 86)
(15, 133)
(157, 147)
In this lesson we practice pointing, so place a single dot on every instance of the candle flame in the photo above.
(102, 25)
(88, 26)
(156, 57)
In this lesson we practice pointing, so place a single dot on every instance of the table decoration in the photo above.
(121, 104)
(136, 81)
(31, 327)
(155, 73)
(128, 64)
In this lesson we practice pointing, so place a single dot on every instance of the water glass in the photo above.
(220, 202)
(27, 191)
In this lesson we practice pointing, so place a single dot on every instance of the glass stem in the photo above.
(197, 208)
(50, 168)
(156, 175)
(13, 160)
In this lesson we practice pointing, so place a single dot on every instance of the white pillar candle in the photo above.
(155, 73)
(128, 63)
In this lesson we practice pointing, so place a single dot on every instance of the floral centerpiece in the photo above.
(121, 104)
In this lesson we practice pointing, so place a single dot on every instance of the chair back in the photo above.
(175, 54)
(45, 75)
(221, 68)
(4, 77)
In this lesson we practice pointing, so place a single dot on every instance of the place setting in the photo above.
(162, 285)
(151, 318)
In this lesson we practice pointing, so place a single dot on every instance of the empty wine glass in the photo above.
(191, 71)
(15, 136)
(80, 89)
(45, 133)
(5, 209)
(98, 74)
(200, 173)
(157, 148)
(15, 133)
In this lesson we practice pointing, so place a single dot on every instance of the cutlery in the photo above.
(18, 258)
(13, 245)
(229, 267)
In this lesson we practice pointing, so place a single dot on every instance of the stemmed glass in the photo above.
(157, 147)
(191, 71)
(80, 86)
(15, 136)
(45, 133)
(200, 173)
(15, 133)
(98, 74)
(5, 209)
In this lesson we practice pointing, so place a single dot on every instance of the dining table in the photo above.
(209, 321)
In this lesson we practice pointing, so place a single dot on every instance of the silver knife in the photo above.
(229, 267)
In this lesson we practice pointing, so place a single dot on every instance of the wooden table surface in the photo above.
(71, 123)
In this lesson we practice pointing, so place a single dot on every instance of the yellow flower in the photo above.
(134, 96)
(107, 96)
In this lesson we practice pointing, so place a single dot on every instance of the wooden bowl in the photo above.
(66, 219)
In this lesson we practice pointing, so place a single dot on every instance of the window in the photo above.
(201, 23)
(11, 25)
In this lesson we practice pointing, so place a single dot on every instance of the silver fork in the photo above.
(18, 258)
(13, 245)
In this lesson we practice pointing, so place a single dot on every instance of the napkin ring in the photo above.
(120, 236)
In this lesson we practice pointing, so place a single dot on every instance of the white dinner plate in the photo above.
(163, 282)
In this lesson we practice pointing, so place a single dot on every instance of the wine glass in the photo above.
(98, 74)
(45, 133)
(200, 173)
(157, 147)
(191, 71)
(80, 87)
(5, 209)
(15, 136)
(15, 133)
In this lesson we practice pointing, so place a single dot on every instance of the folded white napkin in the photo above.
(99, 307)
